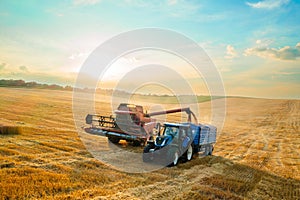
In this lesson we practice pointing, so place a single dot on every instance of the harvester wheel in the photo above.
(114, 140)
(137, 143)
(173, 157)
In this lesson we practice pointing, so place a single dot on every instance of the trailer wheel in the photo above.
(173, 157)
(189, 153)
(210, 150)
(114, 140)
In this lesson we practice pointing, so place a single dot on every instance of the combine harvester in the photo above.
(130, 123)
(175, 141)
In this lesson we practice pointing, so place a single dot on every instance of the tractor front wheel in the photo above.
(146, 155)
(173, 157)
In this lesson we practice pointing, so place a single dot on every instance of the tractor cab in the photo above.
(173, 133)
(175, 141)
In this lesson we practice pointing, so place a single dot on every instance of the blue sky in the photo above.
(254, 44)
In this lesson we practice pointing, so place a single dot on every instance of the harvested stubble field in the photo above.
(257, 155)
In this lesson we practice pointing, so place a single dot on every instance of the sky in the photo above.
(254, 44)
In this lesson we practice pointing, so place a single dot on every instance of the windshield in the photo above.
(172, 131)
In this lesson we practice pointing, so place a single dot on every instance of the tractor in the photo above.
(180, 141)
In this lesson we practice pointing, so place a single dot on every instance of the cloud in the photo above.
(231, 52)
(283, 73)
(284, 53)
(2, 66)
(85, 2)
(23, 68)
(264, 42)
(268, 4)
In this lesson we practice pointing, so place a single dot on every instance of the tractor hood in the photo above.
(162, 141)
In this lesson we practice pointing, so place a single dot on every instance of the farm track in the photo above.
(256, 156)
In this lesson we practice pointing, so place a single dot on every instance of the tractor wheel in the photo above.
(114, 140)
(146, 156)
(189, 153)
(173, 157)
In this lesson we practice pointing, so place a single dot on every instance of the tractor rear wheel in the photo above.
(189, 153)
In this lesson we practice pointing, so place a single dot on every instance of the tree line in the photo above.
(32, 84)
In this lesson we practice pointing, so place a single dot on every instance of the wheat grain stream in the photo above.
(257, 155)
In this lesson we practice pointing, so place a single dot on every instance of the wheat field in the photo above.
(257, 155)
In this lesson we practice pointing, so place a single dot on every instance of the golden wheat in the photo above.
(256, 155)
